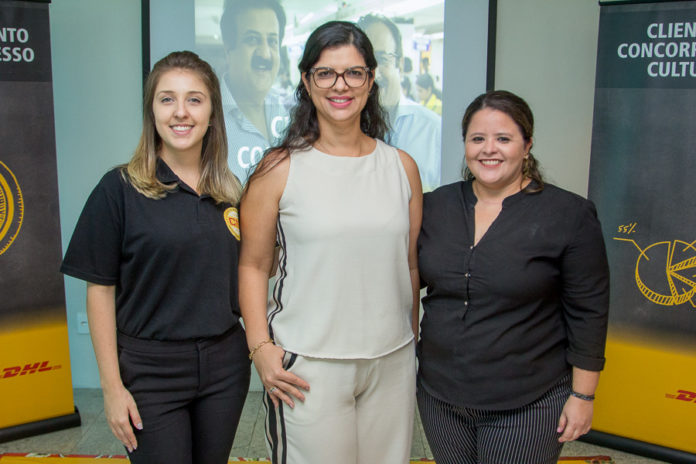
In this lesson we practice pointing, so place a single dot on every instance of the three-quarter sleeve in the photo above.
(94, 252)
(585, 291)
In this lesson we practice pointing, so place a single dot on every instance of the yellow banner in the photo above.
(35, 381)
(648, 392)
(645, 101)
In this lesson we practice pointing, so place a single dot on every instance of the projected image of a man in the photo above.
(252, 34)
(414, 129)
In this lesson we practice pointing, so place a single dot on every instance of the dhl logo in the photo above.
(33, 368)
(683, 395)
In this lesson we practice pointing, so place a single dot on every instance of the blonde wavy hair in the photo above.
(216, 178)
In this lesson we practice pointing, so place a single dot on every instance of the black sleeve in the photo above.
(94, 252)
(585, 293)
(426, 209)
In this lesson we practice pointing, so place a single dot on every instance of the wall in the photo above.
(463, 78)
(546, 53)
(97, 81)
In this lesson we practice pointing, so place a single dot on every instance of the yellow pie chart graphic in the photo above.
(665, 273)
(11, 208)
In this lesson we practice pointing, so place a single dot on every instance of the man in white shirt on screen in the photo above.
(255, 117)
(414, 128)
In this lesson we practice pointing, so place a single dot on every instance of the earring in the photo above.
(525, 166)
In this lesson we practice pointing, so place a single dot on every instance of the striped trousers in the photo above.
(526, 435)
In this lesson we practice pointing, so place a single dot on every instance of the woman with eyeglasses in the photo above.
(334, 343)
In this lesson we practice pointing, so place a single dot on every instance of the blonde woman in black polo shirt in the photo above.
(157, 243)
(512, 338)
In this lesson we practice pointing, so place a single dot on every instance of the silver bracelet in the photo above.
(581, 396)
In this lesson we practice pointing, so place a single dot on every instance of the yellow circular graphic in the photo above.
(11, 207)
(665, 273)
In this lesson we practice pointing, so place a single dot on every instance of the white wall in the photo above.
(466, 32)
(97, 81)
(546, 53)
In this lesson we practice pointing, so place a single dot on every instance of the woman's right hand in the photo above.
(279, 383)
(119, 406)
(258, 221)
(121, 411)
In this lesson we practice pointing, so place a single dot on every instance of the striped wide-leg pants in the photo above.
(526, 435)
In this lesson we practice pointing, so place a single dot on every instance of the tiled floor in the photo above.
(94, 437)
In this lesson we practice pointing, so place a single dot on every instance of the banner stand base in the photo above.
(43, 426)
(638, 447)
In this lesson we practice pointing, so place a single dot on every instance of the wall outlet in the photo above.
(82, 325)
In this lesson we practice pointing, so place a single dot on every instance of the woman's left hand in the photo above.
(575, 420)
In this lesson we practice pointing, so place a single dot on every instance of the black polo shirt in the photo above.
(173, 260)
(504, 320)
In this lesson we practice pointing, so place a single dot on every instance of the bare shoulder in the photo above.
(408, 162)
(411, 169)
(270, 175)
(274, 163)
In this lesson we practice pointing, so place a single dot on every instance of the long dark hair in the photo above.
(303, 129)
(521, 113)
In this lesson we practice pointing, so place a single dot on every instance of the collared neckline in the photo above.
(165, 175)
(232, 108)
(229, 101)
(470, 198)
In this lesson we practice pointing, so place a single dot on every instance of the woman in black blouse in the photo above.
(158, 244)
(512, 338)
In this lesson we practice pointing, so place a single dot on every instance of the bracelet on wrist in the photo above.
(581, 396)
(257, 346)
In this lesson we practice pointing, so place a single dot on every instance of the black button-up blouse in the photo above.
(504, 320)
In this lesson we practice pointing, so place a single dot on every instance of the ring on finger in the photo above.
(272, 390)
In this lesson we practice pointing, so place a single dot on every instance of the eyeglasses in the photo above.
(325, 78)
(386, 58)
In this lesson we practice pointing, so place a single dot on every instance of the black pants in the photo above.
(526, 435)
(189, 395)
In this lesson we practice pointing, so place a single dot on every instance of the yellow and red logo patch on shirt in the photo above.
(232, 220)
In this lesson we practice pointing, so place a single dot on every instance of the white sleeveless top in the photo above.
(343, 287)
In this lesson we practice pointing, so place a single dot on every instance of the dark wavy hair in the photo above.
(303, 129)
(521, 113)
